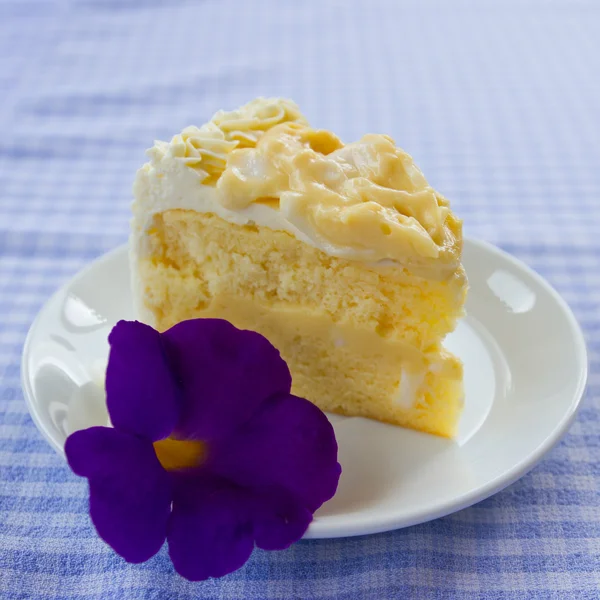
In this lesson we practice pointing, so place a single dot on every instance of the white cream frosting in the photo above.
(410, 384)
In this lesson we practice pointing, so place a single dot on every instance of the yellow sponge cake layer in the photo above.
(358, 340)
(342, 255)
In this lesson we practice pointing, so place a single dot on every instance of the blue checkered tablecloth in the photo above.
(499, 102)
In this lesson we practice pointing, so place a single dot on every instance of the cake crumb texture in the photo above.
(359, 340)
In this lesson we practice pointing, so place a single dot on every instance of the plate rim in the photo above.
(319, 530)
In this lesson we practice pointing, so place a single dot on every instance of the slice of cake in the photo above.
(341, 255)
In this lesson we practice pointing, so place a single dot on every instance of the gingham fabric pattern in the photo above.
(499, 102)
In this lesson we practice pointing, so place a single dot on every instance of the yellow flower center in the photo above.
(174, 454)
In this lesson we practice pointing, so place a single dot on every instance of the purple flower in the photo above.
(208, 450)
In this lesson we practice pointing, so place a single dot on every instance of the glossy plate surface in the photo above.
(525, 372)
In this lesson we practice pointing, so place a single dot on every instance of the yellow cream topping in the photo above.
(367, 195)
(367, 198)
(206, 149)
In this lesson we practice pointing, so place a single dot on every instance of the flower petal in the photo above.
(279, 519)
(225, 374)
(130, 493)
(288, 443)
(141, 394)
(210, 532)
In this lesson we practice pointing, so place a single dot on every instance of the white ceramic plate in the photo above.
(525, 371)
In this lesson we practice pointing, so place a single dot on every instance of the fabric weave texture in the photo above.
(498, 104)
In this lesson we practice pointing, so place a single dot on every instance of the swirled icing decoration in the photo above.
(207, 148)
(263, 163)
